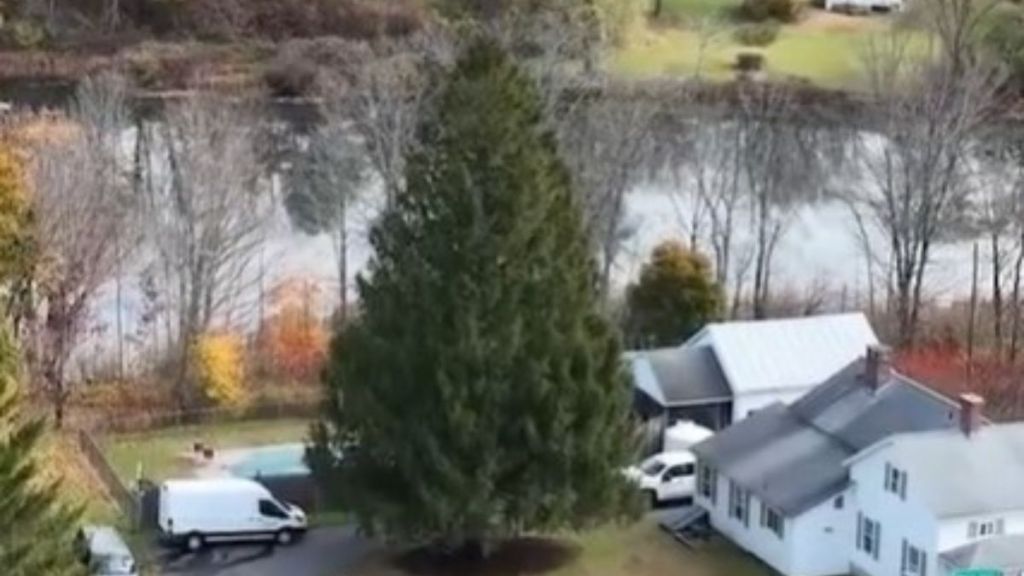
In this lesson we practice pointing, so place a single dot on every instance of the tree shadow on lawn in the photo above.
(512, 558)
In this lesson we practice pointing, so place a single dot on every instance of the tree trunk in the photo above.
(972, 316)
(656, 11)
(997, 295)
(1015, 304)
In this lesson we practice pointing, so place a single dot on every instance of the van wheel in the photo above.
(194, 542)
(285, 537)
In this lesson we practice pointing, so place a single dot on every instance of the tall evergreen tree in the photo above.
(36, 528)
(482, 384)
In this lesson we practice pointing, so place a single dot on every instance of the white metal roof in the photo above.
(789, 354)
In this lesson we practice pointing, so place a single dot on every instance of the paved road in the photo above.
(323, 552)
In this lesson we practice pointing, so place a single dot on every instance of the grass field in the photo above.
(79, 486)
(160, 452)
(824, 48)
(638, 550)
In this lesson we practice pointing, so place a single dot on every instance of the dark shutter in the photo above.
(903, 485)
(903, 557)
(860, 531)
(878, 538)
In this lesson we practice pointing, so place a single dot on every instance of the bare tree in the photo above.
(384, 99)
(331, 176)
(916, 189)
(998, 180)
(206, 216)
(777, 161)
(608, 143)
(82, 205)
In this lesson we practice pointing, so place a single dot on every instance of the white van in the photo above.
(195, 513)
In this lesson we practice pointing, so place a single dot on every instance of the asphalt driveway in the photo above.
(323, 552)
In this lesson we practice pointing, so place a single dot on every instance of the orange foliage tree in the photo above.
(294, 340)
(943, 365)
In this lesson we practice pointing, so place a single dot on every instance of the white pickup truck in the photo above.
(666, 476)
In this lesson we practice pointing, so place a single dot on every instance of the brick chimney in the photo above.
(970, 413)
(876, 366)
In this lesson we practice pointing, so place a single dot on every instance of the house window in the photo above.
(985, 529)
(838, 502)
(708, 482)
(896, 481)
(869, 536)
(913, 561)
(739, 503)
(772, 520)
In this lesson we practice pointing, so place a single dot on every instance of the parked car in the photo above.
(103, 550)
(666, 476)
(197, 513)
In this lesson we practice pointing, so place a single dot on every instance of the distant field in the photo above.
(824, 48)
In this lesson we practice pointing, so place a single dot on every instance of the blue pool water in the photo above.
(279, 460)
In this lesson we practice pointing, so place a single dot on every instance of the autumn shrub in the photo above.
(219, 366)
(749, 61)
(757, 34)
(786, 11)
(25, 34)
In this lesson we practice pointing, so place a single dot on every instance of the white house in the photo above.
(943, 501)
(870, 474)
(778, 482)
(729, 370)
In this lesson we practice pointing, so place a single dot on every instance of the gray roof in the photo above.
(793, 457)
(1001, 553)
(683, 375)
(959, 476)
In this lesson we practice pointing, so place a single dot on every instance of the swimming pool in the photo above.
(278, 460)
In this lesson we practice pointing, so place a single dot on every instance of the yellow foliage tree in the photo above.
(219, 365)
(16, 244)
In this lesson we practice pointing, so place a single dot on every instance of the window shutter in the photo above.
(746, 509)
(924, 564)
(860, 531)
(764, 515)
(888, 471)
(903, 557)
(903, 485)
(878, 538)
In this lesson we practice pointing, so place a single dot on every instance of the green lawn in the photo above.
(824, 48)
(160, 452)
(642, 549)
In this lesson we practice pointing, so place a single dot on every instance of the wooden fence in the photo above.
(125, 498)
